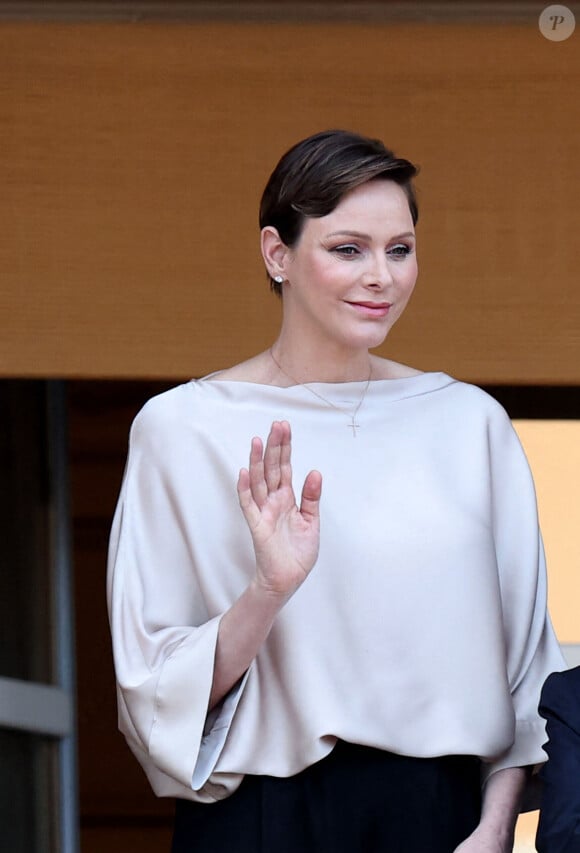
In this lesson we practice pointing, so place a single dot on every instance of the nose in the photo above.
(378, 275)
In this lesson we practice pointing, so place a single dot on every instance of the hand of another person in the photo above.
(285, 536)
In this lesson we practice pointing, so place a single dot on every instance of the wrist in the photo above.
(501, 804)
(497, 827)
(499, 831)
(266, 597)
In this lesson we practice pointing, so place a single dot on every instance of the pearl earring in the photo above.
(278, 279)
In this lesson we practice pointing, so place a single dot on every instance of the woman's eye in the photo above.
(347, 251)
(400, 250)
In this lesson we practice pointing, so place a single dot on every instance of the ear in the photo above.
(274, 252)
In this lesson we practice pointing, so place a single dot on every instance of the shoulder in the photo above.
(476, 398)
(464, 393)
(165, 406)
(166, 417)
(478, 406)
(472, 402)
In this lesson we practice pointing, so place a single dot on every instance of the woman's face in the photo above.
(351, 274)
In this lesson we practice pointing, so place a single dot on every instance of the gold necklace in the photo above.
(352, 415)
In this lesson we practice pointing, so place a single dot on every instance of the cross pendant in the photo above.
(354, 426)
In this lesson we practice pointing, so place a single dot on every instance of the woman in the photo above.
(345, 673)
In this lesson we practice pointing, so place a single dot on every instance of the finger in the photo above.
(258, 485)
(311, 491)
(285, 455)
(247, 503)
(272, 457)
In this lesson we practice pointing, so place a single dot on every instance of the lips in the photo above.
(371, 309)
(373, 304)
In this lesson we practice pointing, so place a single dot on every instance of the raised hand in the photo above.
(286, 537)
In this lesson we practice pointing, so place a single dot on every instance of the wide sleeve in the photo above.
(531, 649)
(163, 635)
(559, 824)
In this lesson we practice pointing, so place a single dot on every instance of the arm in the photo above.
(166, 605)
(285, 540)
(501, 804)
(531, 648)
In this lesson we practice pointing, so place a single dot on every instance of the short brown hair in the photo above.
(315, 174)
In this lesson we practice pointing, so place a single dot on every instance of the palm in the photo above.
(285, 536)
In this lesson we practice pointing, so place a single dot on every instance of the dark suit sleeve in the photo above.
(559, 824)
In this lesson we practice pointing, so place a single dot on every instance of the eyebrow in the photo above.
(367, 236)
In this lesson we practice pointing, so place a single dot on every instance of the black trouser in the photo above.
(356, 800)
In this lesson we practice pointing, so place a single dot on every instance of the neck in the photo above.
(315, 364)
